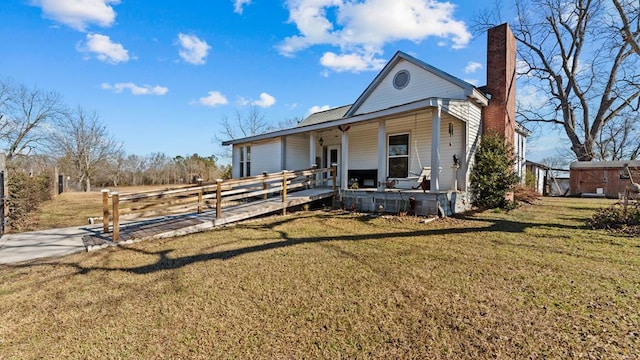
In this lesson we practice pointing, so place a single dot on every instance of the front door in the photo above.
(332, 156)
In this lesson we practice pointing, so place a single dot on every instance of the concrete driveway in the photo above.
(40, 244)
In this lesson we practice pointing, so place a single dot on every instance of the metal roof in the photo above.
(604, 164)
(325, 116)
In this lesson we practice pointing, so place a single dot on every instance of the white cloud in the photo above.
(213, 99)
(238, 5)
(193, 50)
(316, 108)
(135, 89)
(522, 67)
(242, 101)
(530, 98)
(265, 101)
(472, 66)
(104, 49)
(78, 14)
(350, 62)
(362, 28)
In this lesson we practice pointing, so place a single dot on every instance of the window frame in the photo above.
(406, 156)
(244, 161)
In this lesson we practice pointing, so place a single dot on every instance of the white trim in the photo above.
(435, 147)
(382, 154)
(408, 153)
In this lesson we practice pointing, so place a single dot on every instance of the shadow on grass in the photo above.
(164, 262)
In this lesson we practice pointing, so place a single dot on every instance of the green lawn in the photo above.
(531, 283)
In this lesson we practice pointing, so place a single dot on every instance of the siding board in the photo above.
(266, 156)
(297, 148)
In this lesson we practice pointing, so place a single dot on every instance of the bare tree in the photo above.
(23, 114)
(242, 125)
(619, 139)
(629, 13)
(85, 144)
(289, 123)
(576, 54)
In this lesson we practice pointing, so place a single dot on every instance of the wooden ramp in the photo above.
(170, 226)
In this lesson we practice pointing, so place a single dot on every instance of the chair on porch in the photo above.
(424, 179)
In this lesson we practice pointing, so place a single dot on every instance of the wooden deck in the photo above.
(170, 226)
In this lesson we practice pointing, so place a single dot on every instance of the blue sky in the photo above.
(162, 74)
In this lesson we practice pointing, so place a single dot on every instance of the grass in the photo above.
(530, 283)
(74, 208)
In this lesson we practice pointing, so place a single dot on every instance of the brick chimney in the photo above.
(500, 116)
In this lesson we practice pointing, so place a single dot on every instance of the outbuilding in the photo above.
(603, 178)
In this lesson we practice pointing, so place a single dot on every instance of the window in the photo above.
(401, 79)
(398, 156)
(241, 161)
(245, 161)
(248, 161)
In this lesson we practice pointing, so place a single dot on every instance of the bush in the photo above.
(493, 174)
(614, 218)
(525, 194)
(529, 179)
(25, 194)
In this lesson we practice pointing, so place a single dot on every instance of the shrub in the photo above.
(525, 194)
(25, 194)
(493, 174)
(529, 179)
(614, 218)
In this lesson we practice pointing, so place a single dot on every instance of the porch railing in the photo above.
(210, 196)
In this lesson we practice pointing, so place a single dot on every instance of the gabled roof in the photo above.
(348, 114)
(325, 116)
(469, 90)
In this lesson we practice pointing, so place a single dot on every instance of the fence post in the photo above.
(200, 200)
(264, 186)
(334, 175)
(115, 198)
(218, 198)
(312, 178)
(284, 192)
(105, 210)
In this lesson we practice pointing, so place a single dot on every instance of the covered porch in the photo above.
(399, 151)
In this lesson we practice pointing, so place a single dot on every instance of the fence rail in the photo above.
(211, 196)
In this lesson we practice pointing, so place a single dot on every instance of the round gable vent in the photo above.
(401, 79)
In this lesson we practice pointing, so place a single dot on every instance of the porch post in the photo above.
(435, 147)
(345, 160)
(382, 155)
(312, 149)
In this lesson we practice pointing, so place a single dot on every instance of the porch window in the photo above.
(245, 161)
(248, 161)
(398, 156)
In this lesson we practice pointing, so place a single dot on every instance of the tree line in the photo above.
(39, 132)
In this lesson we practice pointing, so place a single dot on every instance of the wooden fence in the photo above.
(209, 196)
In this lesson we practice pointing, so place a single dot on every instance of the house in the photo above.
(412, 122)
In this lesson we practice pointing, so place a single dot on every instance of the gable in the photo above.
(422, 84)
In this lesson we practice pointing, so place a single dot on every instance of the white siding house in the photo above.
(412, 120)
